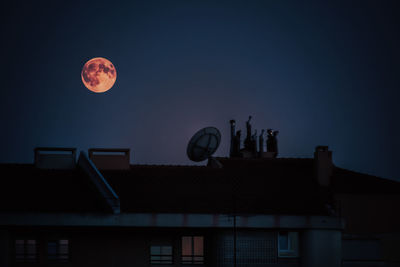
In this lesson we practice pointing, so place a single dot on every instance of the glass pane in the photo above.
(31, 257)
(166, 258)
(187, 259)
(186, 245)
(63, 257)
(63, 249)
(155, 258)
(198, 246)
(166, 250)
(293, 241)
(19, 242)
(155, 250)
(52, 248)
(199, 259)
(283, 241)
(31, 247)
(20, 246)
(63, 242)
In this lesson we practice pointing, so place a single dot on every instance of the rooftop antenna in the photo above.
(203, 144)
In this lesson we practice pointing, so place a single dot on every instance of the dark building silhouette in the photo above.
(100, 210)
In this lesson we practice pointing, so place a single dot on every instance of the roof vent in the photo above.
(55, 158)
(110, 158)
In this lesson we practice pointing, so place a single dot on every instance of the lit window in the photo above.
(288, 244)
(192, 250)
(25, 250)
(160, 254)
(58, 250)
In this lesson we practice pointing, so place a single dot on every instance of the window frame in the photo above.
(59, 256)
(292, 250)
(25, 255)
(193, 257)
(161, 261)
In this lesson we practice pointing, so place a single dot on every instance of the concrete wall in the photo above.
(4, 248)
(375, 219)
(321, 248)
(363, 252)
(391, 248)
(369, 213)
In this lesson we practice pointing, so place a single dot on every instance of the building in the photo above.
(100, 210)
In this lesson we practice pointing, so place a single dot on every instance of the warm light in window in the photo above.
(192, 250)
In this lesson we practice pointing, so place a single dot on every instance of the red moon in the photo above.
(99, 75)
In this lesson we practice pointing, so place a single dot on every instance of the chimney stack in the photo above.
(231, 150)
(323, 165)
(272, 142)
(251, 149)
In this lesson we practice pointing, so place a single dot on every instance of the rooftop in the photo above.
(245, 186)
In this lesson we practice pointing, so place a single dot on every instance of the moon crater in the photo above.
(99, 75)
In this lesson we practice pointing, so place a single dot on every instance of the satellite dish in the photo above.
(203, 144)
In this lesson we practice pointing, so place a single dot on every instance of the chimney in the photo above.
(110, 158)
(55, 158)
(323, 165)
(231, 149)
(272, 143)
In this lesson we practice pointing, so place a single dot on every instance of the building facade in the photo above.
(100, 210)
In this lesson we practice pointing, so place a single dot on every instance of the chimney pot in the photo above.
(323, 165)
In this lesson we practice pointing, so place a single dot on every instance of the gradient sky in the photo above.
(322, 73)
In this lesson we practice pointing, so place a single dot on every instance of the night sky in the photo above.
(322, 73)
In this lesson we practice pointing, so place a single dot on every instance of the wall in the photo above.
(362, 251)
(127, 246)
(372, 223)
(321, 248)
(369, 213)
(4, 247)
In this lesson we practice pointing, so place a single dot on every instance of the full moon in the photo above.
(99, 75)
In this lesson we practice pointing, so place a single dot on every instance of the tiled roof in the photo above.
(26, 188)
(246, 186)
(350, 182)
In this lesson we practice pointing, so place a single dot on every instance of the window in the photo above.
(192, 250)
(58, 250)
(25, 250)
(288, 244)
(161, 255)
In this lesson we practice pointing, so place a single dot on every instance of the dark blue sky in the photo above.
(322, 73)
